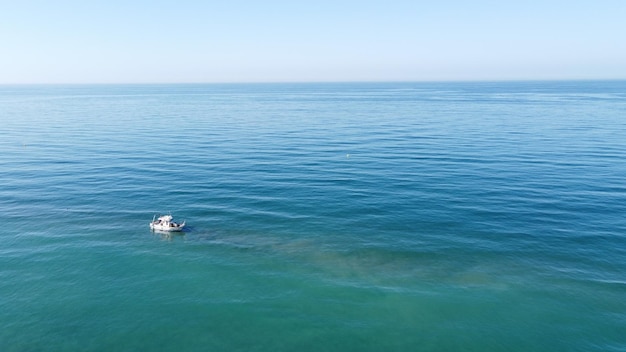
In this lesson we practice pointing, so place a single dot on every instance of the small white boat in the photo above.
(165, 223)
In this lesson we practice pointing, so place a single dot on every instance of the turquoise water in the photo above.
(322, 217)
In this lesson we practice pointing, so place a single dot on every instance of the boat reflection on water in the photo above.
(169, 235)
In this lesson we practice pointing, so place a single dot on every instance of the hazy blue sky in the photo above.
(109, 41)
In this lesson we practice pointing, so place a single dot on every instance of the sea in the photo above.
(408, 216)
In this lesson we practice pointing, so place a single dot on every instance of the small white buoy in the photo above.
(347, 155)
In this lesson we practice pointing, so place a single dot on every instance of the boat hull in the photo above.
(168, 228)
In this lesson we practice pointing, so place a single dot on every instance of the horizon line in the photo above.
(317, 82)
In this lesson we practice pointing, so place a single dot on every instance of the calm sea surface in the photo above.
(322, 217)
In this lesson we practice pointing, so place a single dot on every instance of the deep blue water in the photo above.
(322, 217)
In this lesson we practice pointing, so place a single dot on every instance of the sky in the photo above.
(195, 41)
